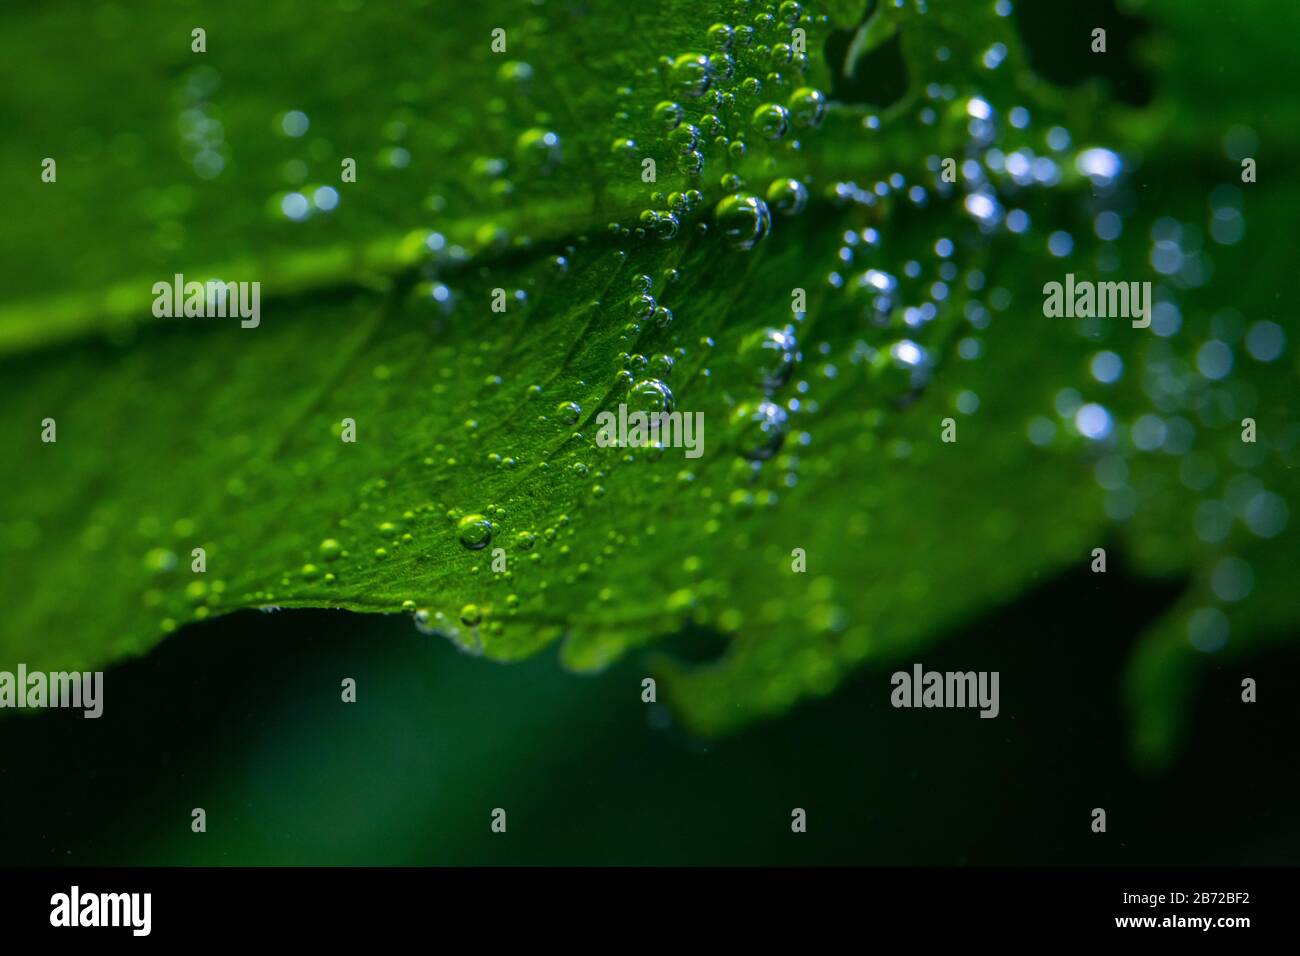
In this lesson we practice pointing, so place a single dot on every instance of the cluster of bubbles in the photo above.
(203, 137)
(1187, 382)
(305, 199)
(741, 93)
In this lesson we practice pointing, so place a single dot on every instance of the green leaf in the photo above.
(522, 172)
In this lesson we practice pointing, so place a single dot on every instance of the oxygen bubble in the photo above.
(538, 149)
(772, 353)
(1232, 579)
(904, 366)
(642, 306)
(742, 499)
(294, 123)
(651, 396)
(470, 615)
(330, 549)
(1208, 629)
(568, 412)
(1214, 360)
(807, 106)
(474, 531)
(691, 162)
(160, 560)
(684, 138)
(771, 120)
(492, 236)
(690, 74)
(488, 167)
(395, 157)
(1106, 367)
(658, 223)
(514, 71)
(787, 196)
(662, 365)
(668, 114)
(1266, 514)
(524, 540)
(1265, 341)
(295, 206)
(720, 35)
(744, 220)
(325, 198)
(759, 428)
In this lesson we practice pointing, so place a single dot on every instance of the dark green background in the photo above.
(242, 716)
